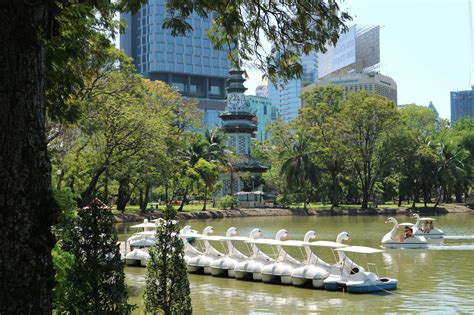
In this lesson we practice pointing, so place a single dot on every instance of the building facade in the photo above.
(357, 50)
(189, 63)
(287, 97)
(373, 82)
(262, 89)
(462, 105)
(265, 114)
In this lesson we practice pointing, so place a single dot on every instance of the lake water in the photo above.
(438, 280)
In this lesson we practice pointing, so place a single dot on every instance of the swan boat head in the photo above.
(208, 230)
(232, 231)
(256, 233)
(282, 234)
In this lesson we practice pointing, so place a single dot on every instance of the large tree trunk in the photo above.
(124, 193)
(27, 207)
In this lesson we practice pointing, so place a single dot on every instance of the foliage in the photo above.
(167, 286)
(298, 168)
(95, 282)
(228, 202)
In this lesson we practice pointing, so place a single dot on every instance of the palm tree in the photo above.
(298, 167)
(210, 148)
(450, 168)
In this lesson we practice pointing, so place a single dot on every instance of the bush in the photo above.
(228, 202)
(167, 286)
(95, 281)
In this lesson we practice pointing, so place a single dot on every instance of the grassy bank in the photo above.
(135, 209)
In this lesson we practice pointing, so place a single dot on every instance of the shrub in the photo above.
(167, 285)
(228, 202)
(95, 282)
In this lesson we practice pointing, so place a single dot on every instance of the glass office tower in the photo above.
(188, 62)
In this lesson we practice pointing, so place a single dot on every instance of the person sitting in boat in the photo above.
(408, 233)
(427, 227)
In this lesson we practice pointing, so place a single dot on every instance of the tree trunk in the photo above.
(27, 207)
(400, 200)
(123, 194)
(183, 202)
(88, 195)
(365, 198)
(334, 201)
(146, 198)
(205, 199)
(458, 191)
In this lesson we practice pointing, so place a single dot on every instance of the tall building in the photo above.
(462, 105)
(286, 97)
(265, 113)
(372, 82)
(188, 62)
(262, 89)
(357, 50)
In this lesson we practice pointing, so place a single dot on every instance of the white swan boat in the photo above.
(281, 270)
(316, 270)
(137, 257)
(225, 266)
(429, 233)
(358, 280)
(252, 267)
(144, 238)
(390, 240)
(203, 261)
(187, 234)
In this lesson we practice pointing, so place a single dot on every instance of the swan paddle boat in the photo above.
(144, 238)
(316, 270)
(391, 240)
(282, 268)
(187, 234)
(358, 280)
(202, 262)
(343, 264)
(427, 230)
(225, 266)
(137, 257)
(252, 267)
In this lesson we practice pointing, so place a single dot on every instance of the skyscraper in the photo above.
(286, 97)
(188, 62)
(373, 82)
(462, 105)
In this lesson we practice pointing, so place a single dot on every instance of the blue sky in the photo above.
(425, 47)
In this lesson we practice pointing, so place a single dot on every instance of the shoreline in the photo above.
(262, 212)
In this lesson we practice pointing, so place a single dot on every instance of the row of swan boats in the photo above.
(418, 237)
(281, 267)
(312, 271)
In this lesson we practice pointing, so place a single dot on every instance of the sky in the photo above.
(425, 47)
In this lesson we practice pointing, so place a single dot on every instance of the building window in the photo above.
(180, 82)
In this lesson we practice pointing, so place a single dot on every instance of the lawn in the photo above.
(130, 209)
(357, 206)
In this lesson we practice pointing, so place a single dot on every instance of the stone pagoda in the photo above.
(239, 124)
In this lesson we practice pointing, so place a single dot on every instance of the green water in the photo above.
(439, 279)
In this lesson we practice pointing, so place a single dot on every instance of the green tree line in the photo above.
(359, 148)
